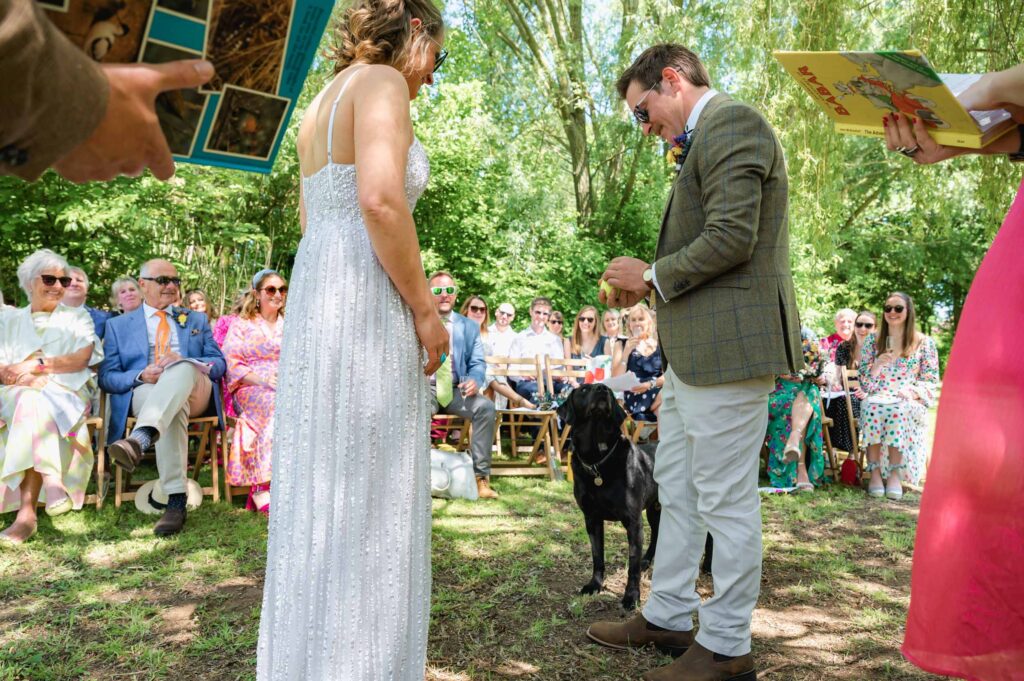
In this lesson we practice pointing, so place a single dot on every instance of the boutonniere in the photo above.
(677, 154)
(181, 316)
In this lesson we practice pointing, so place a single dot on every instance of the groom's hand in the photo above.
(626, 275)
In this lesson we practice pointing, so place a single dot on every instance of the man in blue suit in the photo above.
(469, 369)
(144, 374)
(75, 294)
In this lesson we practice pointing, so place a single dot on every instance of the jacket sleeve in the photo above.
(54, 96)
(739, 154)
(113, 378)
(211, 353)
(476, 367)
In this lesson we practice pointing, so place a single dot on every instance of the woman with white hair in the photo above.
(125, 294)
(843, 321)
(46, 349)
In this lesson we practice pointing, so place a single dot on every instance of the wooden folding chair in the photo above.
(827, 423)
(447, 423)
(206, 429)
(515, 420)
(98, 435)
(851, 384)
(569, 369)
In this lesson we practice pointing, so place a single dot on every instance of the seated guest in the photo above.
(468, 378)
(75, 294)
(143, 374)
(224, 322)
(843, 321)
(556, 325)
(640, 355)
(46, 386)
(501, 332)
(475, 309)
(847, 356)
(198, 302)
(536, 340)
(900, 382)
(585, 341)
(796, 457)
(125, 295)
(253, 351)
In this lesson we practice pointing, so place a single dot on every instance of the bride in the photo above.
(347, 593)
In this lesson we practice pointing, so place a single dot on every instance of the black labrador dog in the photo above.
(613, 480)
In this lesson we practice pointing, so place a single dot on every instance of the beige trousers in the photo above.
(181, 392)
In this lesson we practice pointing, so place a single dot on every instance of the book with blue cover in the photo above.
(261, 51)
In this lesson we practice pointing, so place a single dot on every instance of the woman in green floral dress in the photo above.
(795, 456)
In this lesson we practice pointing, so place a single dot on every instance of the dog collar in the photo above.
(593, 468)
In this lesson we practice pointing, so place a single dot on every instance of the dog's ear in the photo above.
(567, 410)
(618, 413)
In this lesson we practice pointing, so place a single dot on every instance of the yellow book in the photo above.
(857, 89)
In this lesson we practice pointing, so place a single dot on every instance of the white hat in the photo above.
(151, 498)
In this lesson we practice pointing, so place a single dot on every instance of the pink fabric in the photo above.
(220, 332)
(251, 347)
(967, 589)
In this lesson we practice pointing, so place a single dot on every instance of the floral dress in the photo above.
(647, 368)
(888, 419)
(220, 333)
(252, 346)
(782, 473)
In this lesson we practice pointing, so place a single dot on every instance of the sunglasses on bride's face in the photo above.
(441, 55)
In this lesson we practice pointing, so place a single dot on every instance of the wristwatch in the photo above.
(649, 277)
(1018, 156)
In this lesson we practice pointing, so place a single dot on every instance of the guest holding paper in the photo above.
(144, 374)
(46, 387)
(253, 351)
(640, 355)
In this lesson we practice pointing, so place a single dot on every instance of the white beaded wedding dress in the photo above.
(347, 593)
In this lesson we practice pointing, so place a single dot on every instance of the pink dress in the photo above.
(252, 346)
(967, 588)
(220, 332)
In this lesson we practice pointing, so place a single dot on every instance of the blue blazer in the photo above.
(126, 353)
(468, 350)
(99, 320)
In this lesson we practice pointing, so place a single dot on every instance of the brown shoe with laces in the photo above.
(483, 488)
(637, 633)
(700, 664)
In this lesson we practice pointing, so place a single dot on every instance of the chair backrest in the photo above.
(559, 367)
(514, 366)
(851, 383)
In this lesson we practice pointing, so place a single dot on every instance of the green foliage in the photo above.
(540, 176)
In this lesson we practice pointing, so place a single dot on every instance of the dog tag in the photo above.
(598, 481)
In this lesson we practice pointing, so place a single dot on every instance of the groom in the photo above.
(727, 323)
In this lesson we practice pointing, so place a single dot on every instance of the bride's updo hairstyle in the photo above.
(379, 32)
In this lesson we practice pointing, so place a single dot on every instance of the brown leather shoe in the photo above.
(483, 488)
(699, 664)
(170, 522)
(126, 453)
(636, 634)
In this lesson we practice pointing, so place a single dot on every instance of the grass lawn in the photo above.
(96, 596)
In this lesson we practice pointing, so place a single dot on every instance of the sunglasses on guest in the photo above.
(51, 279)
(589, 320)
(865, 325)
(164, 281)
(556, 321)
(438, 290)
(274, 290)
(893, 308)
(479, 309)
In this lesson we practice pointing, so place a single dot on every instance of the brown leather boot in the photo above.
(636, 634)
(699, 664)
(483, 488)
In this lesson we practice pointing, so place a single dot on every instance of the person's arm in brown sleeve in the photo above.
(54, 95)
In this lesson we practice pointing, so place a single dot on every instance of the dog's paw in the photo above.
(630, 600)
(591, 587)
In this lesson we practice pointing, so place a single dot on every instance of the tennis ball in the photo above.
(608, 289)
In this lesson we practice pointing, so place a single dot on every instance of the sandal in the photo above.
(804, 487)
(792, 451)
(894, 492)
(250, 503)
(874, 491)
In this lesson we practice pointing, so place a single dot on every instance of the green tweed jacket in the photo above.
(723, 254)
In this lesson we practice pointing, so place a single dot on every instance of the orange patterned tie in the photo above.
(163, 337)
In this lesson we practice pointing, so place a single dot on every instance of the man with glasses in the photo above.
(535, 340)
(501, 333)
(728, 323)
(469, 369)
(144, 374)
